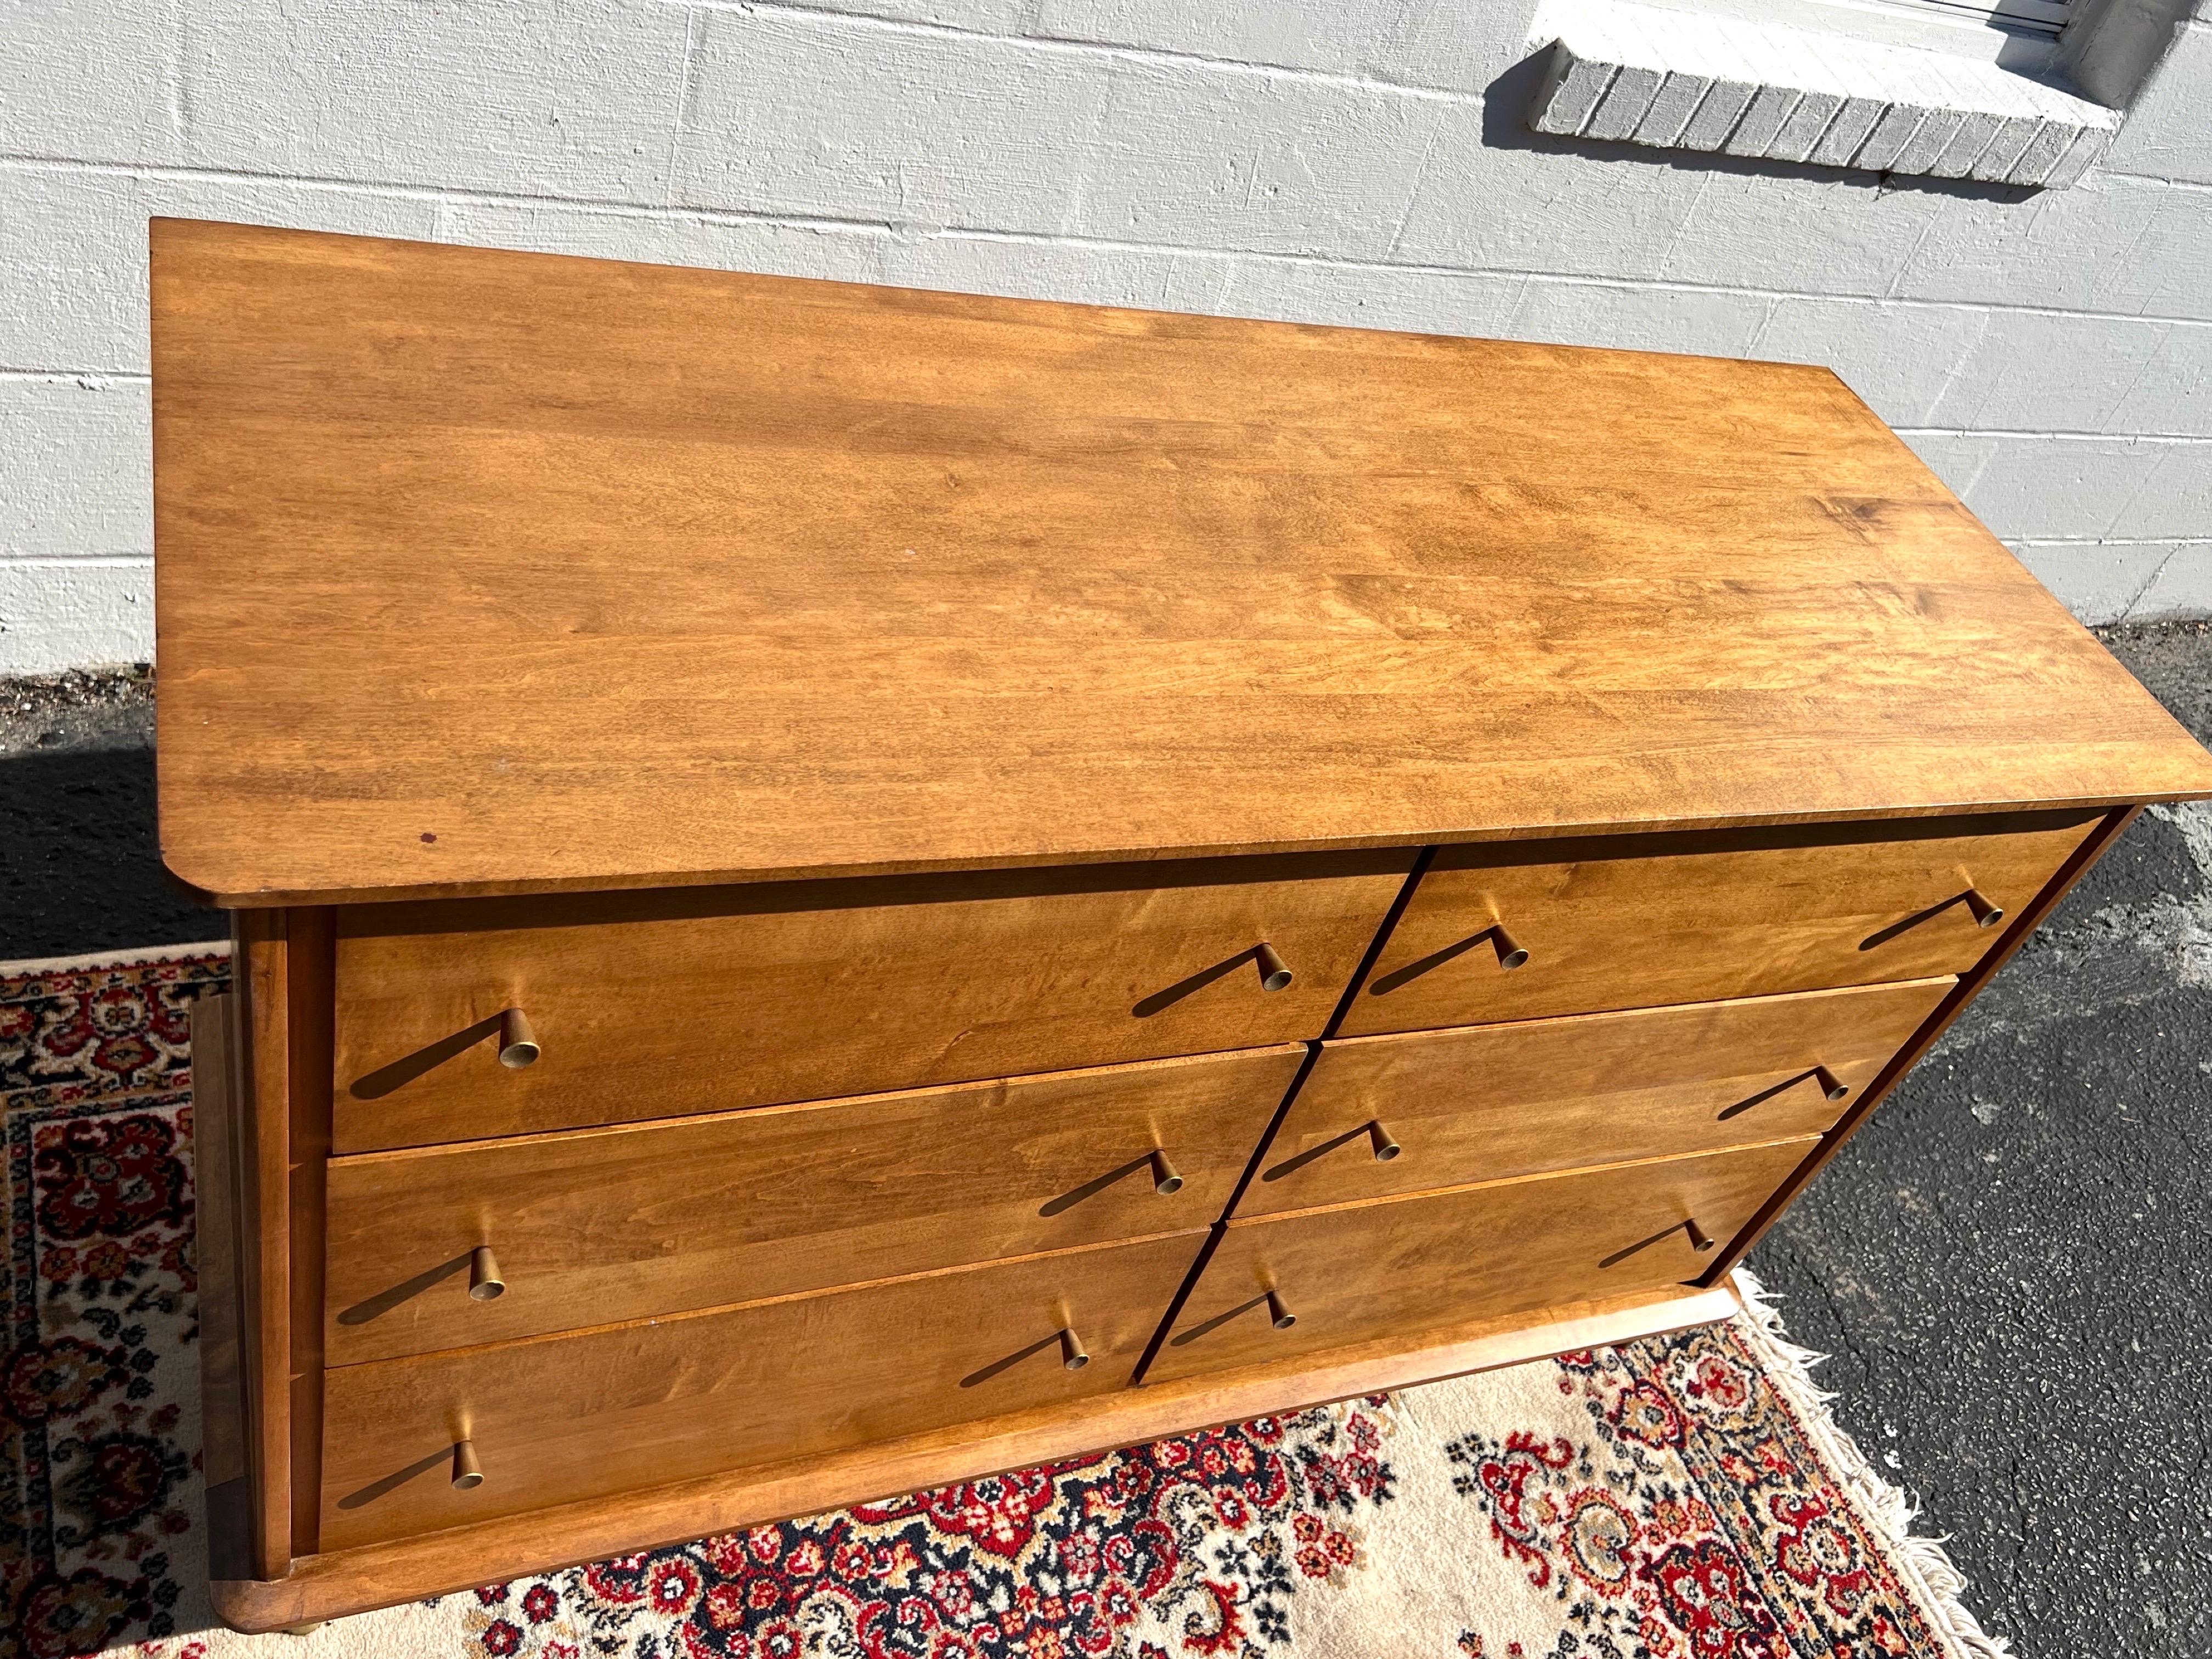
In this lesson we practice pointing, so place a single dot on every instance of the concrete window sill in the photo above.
(1681, 79)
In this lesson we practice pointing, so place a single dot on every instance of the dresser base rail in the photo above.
(342, 1582)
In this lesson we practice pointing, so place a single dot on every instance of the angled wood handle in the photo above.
(1378, 1141)
(1985, 911)
(1699, 1240)
(1274, 974)
(468, 1474)
(1277, 1315)
(1166, 1179)
(1071, 1349)
(1510, 955)
(518, 1043)
(486, 1282)
(1833, 1087)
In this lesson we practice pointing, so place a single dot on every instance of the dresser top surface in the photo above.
(483, 572)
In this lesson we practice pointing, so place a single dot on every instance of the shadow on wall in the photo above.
(1505, 126)
(82, 870)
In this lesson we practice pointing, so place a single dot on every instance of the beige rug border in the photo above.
(1887, 1509)
(98, 959)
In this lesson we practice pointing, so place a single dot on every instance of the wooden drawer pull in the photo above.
(1699, 1240)
(1277, 1315)
(1071, 1349)
(1985, 913)
(518, 1043)
(1831, 1085)
(1378, 1140)
(486, 1282)
(1510, 955)
(1073, 1354)
(1274, 975)
(468, 1474)
(1167, 1181)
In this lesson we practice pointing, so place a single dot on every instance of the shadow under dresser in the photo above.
(838, 889)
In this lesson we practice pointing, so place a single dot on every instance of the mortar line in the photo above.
(885, 228)
(63, 376)
(2150, 582)
(679, 123)
(2198, 186)
(2064, 436)
(1077, 44)
(2151, 357)
(2127, 504)
(1413, 190)
(2108, 541)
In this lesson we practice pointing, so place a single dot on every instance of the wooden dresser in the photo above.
(838, 889)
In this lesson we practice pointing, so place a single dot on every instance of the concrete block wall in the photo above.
(1360, 161)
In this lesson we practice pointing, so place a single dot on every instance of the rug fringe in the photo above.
(139, 958)
(1888, 1506)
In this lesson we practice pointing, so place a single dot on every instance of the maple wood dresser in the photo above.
(838, 888)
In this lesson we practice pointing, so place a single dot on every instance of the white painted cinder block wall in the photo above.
(1331, 160)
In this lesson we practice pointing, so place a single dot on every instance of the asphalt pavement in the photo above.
(2011, 1264)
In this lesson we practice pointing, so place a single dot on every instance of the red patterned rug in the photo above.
(1682, 1497)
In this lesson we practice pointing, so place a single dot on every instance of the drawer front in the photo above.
(1639, 921)
(604, 1224)
(624, 1407)
(1410, 1269)
(1488, 1102)
(652, 1006)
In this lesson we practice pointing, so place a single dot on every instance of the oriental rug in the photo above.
(1678, 1498)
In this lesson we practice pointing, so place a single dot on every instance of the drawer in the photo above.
(602, 1224)
(622, 1408)
(1486, 1102)
(1638, 921)
(1406, 1269)
(657, 1004)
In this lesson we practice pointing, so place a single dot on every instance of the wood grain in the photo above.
(1400, 1268)
(561, 1418)
(619, 1223)
(226, 1430)
(340, 1582)
(262, 980)
(2024, 921)
(655, 1004)
(1490, 1101)
(782, 691)
(481, 570)
(1669, 918)
(306, 1026)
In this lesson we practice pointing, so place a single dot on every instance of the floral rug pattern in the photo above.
(1193, 1546)
(99, 1392)
(1679, 1497)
